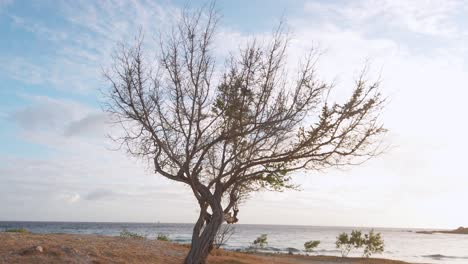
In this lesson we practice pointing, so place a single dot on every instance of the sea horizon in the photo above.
(237, 224)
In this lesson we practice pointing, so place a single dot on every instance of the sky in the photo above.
(57, 164)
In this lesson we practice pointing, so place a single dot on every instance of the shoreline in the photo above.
(82, 248)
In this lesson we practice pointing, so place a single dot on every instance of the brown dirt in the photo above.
(66, 248)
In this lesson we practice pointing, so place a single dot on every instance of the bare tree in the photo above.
(242, 132)
(223, 235)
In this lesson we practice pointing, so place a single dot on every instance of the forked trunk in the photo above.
(203, 243)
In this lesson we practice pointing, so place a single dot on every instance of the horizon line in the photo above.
(266, 224)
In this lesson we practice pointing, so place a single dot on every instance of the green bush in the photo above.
(343, 242)
(347, 242)
(17, 230)
(373, 243)
(261, 241)
(127, 234)
(311, 245)
(162, 237)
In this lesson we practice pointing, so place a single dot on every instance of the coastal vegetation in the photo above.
(372, 242)
(309, 246)
(127, 234)
(227, 132)
(162, 237)
(17, 230)
(261, 241)
(345, 242)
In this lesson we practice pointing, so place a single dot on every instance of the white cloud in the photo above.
(69, 197)
(84, 45)
(66, 74)
(433, 17)
(99, 194)
(94, 125)
(425, 116)
(424, 113)
(20, 69)
(47, 113)
(38, 28)
(80, 168)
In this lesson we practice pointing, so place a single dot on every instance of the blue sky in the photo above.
(56, 163)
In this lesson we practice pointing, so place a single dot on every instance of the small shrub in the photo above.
(261, 241)
(347, 242)
(343, 243)
(373, 244)
(162, 237)
(127, 234)
(17, 230)
(311, 245)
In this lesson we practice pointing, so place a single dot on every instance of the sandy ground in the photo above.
(66, 248)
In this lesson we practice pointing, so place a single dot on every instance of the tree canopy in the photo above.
(226, 131)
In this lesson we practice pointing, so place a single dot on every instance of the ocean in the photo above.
(400, 244)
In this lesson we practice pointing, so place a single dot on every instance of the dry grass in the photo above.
(66, 248)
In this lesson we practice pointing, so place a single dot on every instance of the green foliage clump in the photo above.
(346, 242)
(311, 245)
(162, 237)
(261, 241)
(127, 234)
(373, 243)
(277, 179)
(343, 243)
(17, 230)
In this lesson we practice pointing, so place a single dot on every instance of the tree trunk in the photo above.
(203, 243)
